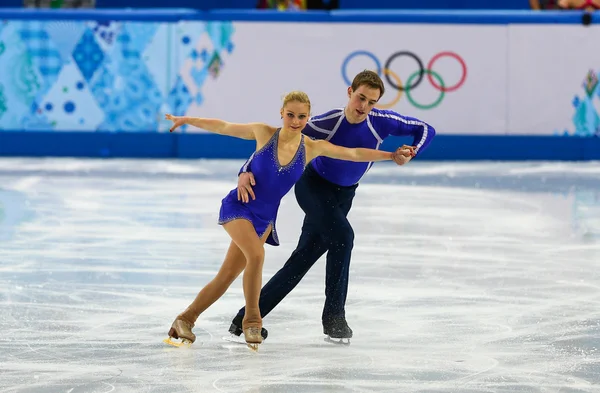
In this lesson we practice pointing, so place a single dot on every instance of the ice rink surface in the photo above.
(466, 277)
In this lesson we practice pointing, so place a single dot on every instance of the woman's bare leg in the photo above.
(232, 266)
(234, 263)
(244, 235)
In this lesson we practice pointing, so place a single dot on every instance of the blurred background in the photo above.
(298, 4)
(508, 80)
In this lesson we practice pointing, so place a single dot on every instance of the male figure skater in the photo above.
(325, 193)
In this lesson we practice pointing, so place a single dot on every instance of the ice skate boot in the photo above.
(337, 331)
(253, 337)
(236, 328)
(181, 329)
(252, 328)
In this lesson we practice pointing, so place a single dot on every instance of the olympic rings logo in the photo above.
(414, 79)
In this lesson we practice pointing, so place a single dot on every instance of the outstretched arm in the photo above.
(243, 131)
(359, 154)
(398, 125)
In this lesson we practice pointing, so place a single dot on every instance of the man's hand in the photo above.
(404, 154)
(245, 183)
(412, 149)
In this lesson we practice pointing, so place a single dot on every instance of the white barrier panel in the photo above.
(463, 79)
(554, 80)
(463, 88)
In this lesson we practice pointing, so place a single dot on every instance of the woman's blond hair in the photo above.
(297, 96)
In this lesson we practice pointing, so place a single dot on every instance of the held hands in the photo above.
(404, 154)
(177, 121)
(245, 183)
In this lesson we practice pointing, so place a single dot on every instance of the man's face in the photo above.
(360, 102)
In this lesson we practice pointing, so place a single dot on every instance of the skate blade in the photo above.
(338, 341)
(234, 339)
(241, 341)
(184, 343)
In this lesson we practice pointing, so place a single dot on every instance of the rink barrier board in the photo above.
(485, 17)
(190, 146)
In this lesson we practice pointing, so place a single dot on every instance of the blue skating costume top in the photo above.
(333, 127)
(273, 182)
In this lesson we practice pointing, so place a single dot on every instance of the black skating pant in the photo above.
(325, 228)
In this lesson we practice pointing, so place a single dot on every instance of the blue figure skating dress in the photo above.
(273, 181)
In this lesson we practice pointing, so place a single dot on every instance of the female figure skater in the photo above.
(279, 160)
